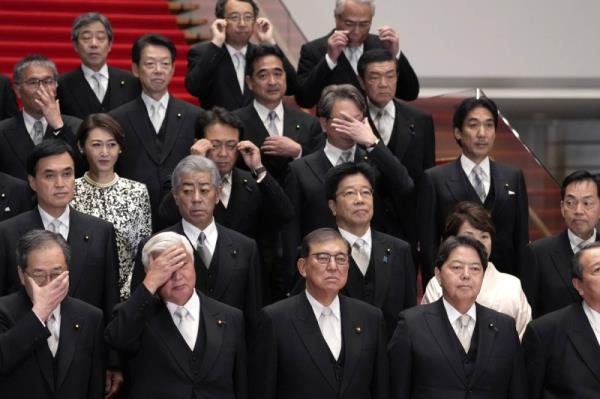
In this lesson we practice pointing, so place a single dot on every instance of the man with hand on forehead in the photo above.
(333, 59)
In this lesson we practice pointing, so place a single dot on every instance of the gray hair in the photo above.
(195, 164)
(576, 266)
(163, 241)
(88, 18)
(36, 239)
(32, 59)
(332, 93)
(339, 5)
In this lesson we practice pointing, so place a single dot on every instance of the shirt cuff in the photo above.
(330, 62)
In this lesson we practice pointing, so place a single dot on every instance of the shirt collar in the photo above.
(389, 109)
(30, 120)
(333, 153)
(88, 72)
(575, 240)
(232, 50)
(351, 238)
(454, 314)
(192, 233)
(47, 218)
(317, 307)
(149, 101)
(263, 112)
(468, 166)
(192, 306)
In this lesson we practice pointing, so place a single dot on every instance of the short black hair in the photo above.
(334, 93)
(468, 105)
(220, 7)
(336, 174)
(151, 39)
(575, 177)
(218, 115)
(371, 56)
(36, 239)
(321, 235)
(260, 51)
(453, 242)
(47, 148)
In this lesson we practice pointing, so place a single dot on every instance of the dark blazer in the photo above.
(299, 126)
(290, 359)
(16, 144)
(314, 73)
(161, 363)
(145, 158)
(546, 274)
(8, 100)
(26, 364)
(15, 196)
(93, 270)
(413, 143)
(446, 185)
(562, 355)
(78, 99)
(211, 77)
(238, 282)
(425, 361)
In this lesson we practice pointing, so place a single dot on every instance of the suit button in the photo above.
(211, 290)
(210, 274)
(194, 358)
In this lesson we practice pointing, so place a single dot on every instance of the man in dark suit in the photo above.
(94, 87)
(282, 133)
(454, 348)
(342, 113)
(159, 128)
(15, 196)
(216, 68)
(8, 101)
(475, 177)
(52, 345)
(407, 131)
(320, 344)
(562, 351)
(381, 268)
(546, 273)
(183, 344)
(34, 80)
(226, 262)
(333, 59)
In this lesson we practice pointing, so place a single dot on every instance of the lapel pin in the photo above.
(358, 329)
(234, 252)
(245, 180)
(76, 326)
(297, 126)
(411, 129)
(179, 114)
(221, 323)
(493, 327)
(7, 209)
(3, 195)
(122, 83)
(86, 237)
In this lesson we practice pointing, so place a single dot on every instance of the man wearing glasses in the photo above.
(546, 271)
(216, 68)
(34, 79)
(52, 345)
(320, 344)
(333, 59)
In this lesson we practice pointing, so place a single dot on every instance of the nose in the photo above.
(60, 181)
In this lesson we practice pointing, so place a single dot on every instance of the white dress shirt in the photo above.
(192, 233)
(63, 228)
(367, 239)
(454, 315)
(317, 308)
(468, 165)
(193, 320)
(386, 124)
(160, 105)
(240, 69)
(30, 120)
(263, 114)
(88, 74)
(333, 153)
(577, 243)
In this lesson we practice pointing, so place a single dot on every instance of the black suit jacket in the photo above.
(78, 99)
(562, 355)
(143, 159)
(425, 361)
(8, 100)
(314, 73)
(238, 280)
(446, 185)
(26, 364)
(93, 270)
(160, 360)
(546, 274)
(211, 77)
(15, 196)
(299, 126)
(290, 359)
(16, 144)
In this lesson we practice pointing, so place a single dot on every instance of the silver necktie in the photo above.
(38, 132)
(360, 255)
(464, 335)
(98, 88)
(327, 324)
(477, 182)
(203, 251)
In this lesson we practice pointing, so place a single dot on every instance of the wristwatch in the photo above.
(256, 172)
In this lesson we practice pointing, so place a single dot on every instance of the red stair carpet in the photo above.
(42, 26)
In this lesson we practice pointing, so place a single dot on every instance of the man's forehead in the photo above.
(94, 26)
(37, 70)
(381, 67)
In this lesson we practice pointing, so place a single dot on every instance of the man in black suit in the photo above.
(94, 87)
(282, 133)
(407, 131)
(455, 348)
(183, 344)
(381, 268)
(34, 79)
(15, 196)
(475, 177)
(333, 59)
(562, 351)
(342, 113)
(8, 101)
(546, 273)
(159, 128)
(216, 68)
(52, 345)
(320, 344)
(226, 262)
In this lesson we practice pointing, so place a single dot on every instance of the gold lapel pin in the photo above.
(358, 329)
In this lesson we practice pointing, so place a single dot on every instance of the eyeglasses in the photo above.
(230, 145)
(248, 18)
(35, 83)
(43, 277)
(352, 194)
(572, 203)
(362, 25)
(323, 258)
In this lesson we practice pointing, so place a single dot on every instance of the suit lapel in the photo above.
(456, 183)
(83, 92)
(215, 330)
(353, 330)
(561, 260)
(382, 259)
(582, 337)
(70, 330)
(291, 125)
(79, 239)
(403, 131)
(173, 119)
(501, 188)
(258, 133)
(487, 340)
(227, 254)
(18, 138)
(309, 333)
(319, 165)
(142, 127)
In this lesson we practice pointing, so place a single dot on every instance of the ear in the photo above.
(21, 275)
(323, 123)
(134, 70)
(81, 148)
(250, 83)
(32, 182)
(562, 208)
(457, 134)
(332, 206)
(301, 264)
(577, 284)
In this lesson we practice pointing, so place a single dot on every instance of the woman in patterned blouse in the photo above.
(102, 193)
